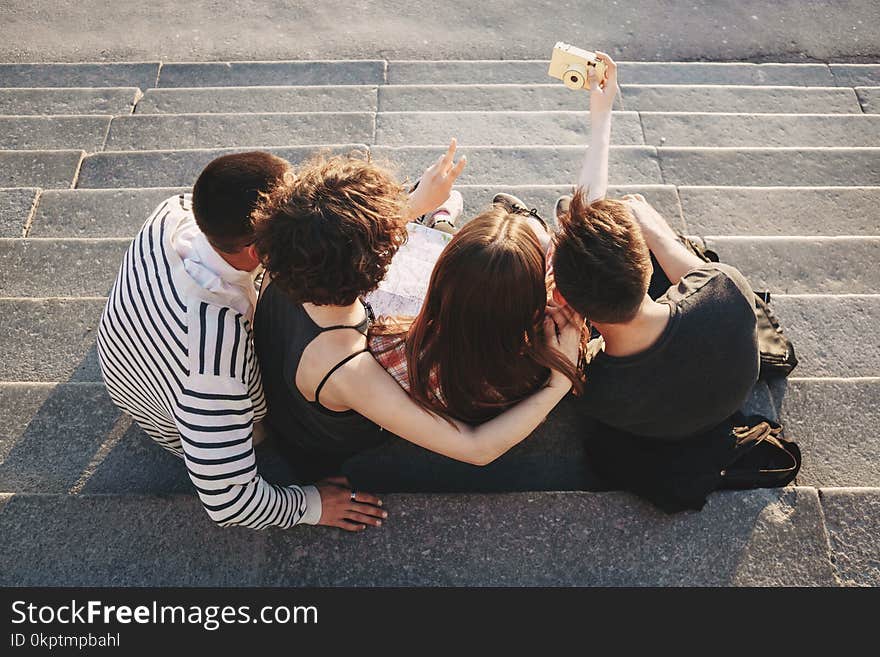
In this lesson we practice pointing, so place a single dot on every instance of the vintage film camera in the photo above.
(571, 64)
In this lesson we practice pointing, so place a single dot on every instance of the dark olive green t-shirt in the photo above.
(698, 372)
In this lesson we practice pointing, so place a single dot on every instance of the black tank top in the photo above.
(282, 331)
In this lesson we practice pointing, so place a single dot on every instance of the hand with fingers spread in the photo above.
(436, 183)
(348, 509)
(603, 92)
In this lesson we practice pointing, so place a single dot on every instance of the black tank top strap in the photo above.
(334, 368)
(361, 327)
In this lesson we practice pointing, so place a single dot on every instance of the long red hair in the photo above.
(477, 345)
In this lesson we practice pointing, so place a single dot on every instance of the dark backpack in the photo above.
(743, 452)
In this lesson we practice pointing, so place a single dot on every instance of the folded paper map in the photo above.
(402, 291)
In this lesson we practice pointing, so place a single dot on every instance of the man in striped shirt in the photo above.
(176, 351)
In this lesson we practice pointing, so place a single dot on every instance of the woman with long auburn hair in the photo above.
(326, 237)
(478, 346)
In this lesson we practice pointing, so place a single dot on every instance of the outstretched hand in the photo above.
(436, 183)
(347, 509)
(603, 92)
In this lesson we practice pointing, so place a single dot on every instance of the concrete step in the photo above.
(41, 267)
(252, 74)
(481, 72)
(171, 168)
(531, 165)
(492, 97)
(781, 210)
(856, 75)
(852, 520)
(106, 101)
(35, 267)
(869, 97)
(834, 420)
(53, 132)
(804, 265)
(223, 100)
(122, 74)
(499, 128)
(535, 71)
(101, 213)
(39, 168)
(182, 131)
(501, 165)
(518, 538)
(657, 98)
(16, 207)
(770, 166)
(53, 338)
(759, 130)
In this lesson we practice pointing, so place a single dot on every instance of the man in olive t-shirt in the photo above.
(671, 367)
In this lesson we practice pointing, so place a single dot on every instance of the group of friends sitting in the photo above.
(239, 311)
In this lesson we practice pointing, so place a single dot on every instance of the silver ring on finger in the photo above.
(353, 496)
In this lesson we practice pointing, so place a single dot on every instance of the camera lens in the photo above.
(574, 79)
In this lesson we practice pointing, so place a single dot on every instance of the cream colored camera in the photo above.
(571, 64)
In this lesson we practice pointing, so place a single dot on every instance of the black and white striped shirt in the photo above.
(176, 353)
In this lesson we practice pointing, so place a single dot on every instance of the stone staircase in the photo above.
(776, 166)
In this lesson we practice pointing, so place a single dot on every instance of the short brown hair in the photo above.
(328, 232)
(226, 193)
(601, 262)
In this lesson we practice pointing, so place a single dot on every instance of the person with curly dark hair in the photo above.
(326, 236)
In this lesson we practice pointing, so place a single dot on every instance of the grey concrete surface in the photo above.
(101, 213)
(182, 131)
(804, 265)
(51, 169)
(258, 99)
(869, 97)
(502, 539)
(856, 75)
(52, 339)
(530, 165)
(15, 208)
(50, 434)
(739, 98)
(42, 267)
(767, 167)
(781, 211)
(89, 74)
(759, 130)
(53, 132)
(630, 72)
(249, 74)
(852, 516)
(106, 101)
(835, 422)
(167, 168)
(833, 335)
(481, 98)
(789, 30)
(497, 128)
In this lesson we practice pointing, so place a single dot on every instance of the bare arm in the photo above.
(663, 241)
(594, 171)
(372, 392)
